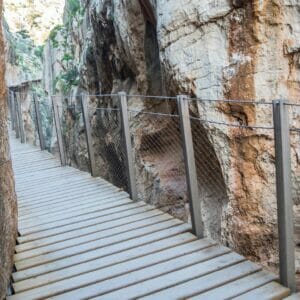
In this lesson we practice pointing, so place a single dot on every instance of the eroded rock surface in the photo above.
(8, 206)
(216, 49)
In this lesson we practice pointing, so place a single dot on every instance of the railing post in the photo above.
(39, 121)
(17, 123)
(128, 146)
(190, 165)
(20, 119)
(9, 108)
(12, 110)
(60, 142)
(88, 132)
(284, 197)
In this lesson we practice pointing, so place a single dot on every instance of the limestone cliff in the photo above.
(8, 206)
(216, 49)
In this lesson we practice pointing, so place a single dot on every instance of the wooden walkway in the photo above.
(83, 238)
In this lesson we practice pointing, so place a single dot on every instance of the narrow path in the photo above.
(83, 238)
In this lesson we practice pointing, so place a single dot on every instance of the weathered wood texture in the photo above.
(83, 238)
(8, 207)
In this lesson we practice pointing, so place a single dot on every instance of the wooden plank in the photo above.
(88, 182)
(81, 199)
(50, 195)
(169, 260)
(151, 225)
(25, 181)
(56, 203)
(169, 273)
(77, 201)
(170, 248)
(68, 191)
(90, 234)
(195, 284)
(36, 168)
(82, 218)
(237, 287)
(34, 172)
(45, 165)
(72, 201)
(47, 184)
(171, 228)
(270, 291)
(69, 197)
(69, 214)
(25, 161)
(88, 242)
(80, 225)
(108, 200)
(22, 160)
(32, 186)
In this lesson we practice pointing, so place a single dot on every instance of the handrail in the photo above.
(282, 155)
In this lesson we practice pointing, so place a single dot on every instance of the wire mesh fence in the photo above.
(110, 157)
(73, 131)
(234, 153)
(45, 110)
(158, 154)
(234, 156)
(27, 118)
(294, 120)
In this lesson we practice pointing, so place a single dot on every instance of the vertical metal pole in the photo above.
(60, 142)
(20, 119)
(88, 132)
(284, 197)
(17, 123)
(190, 165)
(128, 146)
(12, 110)
(39, 121)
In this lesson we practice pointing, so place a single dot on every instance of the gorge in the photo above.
(210, 50)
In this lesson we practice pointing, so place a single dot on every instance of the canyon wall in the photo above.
(216, 49)
(8, 206)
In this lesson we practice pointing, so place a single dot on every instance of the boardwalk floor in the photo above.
(83, 238)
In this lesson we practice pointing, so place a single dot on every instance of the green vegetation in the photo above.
(23, 33)
(66, 80)
(39, 50)
(23, 53)
(74, 7)
(54, 33)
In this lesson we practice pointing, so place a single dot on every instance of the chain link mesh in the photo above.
(27, 116)
(158, 154)
(235, 162)
(294, 120)
(108, 141)
(234, 155)
(73, 132)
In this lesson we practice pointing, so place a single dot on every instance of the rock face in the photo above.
(8, 206)
(216, 49)
(23, 58)
(36, 17)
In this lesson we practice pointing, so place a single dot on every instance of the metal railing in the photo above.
(132, 138)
